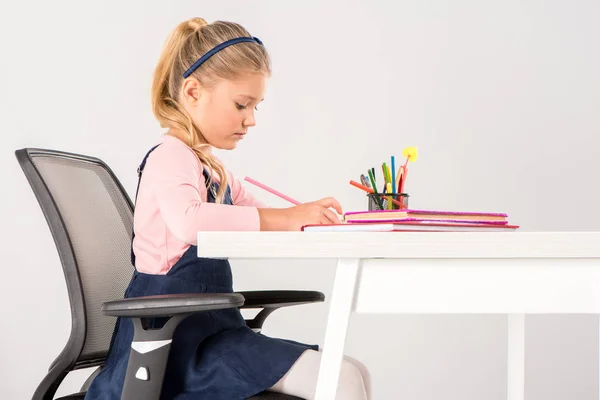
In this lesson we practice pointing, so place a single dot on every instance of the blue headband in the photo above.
(216, 49)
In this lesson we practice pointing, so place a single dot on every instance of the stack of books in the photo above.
(419, 221)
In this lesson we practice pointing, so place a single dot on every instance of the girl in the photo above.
(207, 84)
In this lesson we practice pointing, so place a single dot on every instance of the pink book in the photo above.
(425, 216)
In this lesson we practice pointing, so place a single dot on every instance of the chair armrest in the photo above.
(171, 305)
(271, 300)
(280, 298)
(150, 347)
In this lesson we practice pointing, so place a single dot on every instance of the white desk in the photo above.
(514, 273)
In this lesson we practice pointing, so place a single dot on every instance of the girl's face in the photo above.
(224, 111)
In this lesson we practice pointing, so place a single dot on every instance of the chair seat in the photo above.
(261, 396)
(76, 396)
(274, 396)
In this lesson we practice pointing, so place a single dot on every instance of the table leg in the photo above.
(516, 357)
(342, 302)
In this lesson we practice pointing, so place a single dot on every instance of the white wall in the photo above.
(501, 97)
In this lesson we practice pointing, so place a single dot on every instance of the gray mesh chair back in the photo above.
(91, 218)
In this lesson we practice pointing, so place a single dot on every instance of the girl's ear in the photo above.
(191, 90)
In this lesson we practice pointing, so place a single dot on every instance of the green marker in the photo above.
(372, 179)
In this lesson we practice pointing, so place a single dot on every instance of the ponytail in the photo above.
(170, 114)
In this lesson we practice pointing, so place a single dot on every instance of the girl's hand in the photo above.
(313, 213)
(294, 218)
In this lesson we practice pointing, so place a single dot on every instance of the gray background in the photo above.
(501, 97)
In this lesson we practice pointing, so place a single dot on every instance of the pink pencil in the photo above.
(273, 191)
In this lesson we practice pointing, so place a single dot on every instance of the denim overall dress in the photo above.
(214, 355)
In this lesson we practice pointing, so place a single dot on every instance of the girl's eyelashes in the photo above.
(243, 107)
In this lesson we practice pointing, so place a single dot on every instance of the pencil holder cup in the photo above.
(388, 201)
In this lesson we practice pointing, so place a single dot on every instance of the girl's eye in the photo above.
(243, 107)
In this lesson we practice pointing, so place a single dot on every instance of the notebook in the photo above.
(410, 226)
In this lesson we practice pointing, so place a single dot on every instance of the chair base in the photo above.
(261, 396)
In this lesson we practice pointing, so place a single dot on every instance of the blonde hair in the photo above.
(187, 43)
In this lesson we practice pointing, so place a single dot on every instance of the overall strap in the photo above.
(140, 170)
(213, 188)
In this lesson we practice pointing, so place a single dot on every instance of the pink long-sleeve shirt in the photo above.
(172, 207)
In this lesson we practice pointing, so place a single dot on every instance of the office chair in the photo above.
(91, 220)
